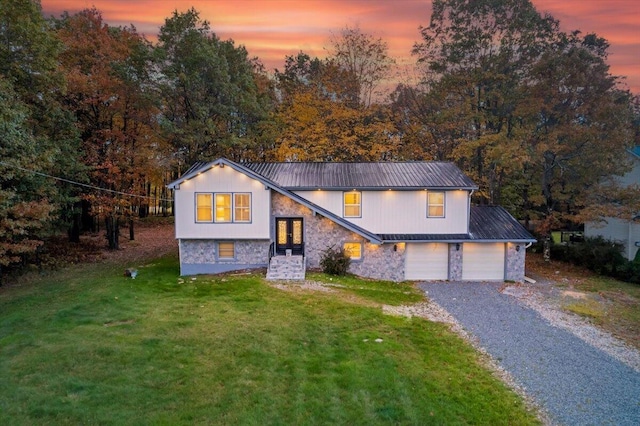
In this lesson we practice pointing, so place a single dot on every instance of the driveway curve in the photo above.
(576, 383)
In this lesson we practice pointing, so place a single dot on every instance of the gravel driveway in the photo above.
(573, 381)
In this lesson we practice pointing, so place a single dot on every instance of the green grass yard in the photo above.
(87, 345)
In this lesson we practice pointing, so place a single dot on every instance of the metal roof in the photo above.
(495, 223)
(371, 176)
(487, 223)
(200, 167)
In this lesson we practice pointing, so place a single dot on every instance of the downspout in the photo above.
(469, 210)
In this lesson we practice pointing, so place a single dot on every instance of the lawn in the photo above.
(88, 345)
(610, 304)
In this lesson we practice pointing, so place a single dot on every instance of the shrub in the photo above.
(601, 256)
(335, 262)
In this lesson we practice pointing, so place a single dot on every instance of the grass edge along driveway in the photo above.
(87, 345)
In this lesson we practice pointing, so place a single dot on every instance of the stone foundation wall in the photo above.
(200, 256)
(320, 233)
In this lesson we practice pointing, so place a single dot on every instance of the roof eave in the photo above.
(380, 188)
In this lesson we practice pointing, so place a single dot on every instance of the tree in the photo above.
(211, 103)
(37, 132)
(366, 61)
(109, 91)
(541, 119)
(25, 209)
(317, 120)
(477, 55)
(580, 124)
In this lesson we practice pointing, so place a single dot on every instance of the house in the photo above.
(624, 231)
(397, 221)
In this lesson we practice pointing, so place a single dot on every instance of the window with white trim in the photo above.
(242, 207)
(223, 207)
(204, 208)
(435, 203)
(352, 204)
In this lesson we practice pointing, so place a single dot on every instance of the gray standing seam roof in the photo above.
(495, 223)
(374, 176)
(486, 223)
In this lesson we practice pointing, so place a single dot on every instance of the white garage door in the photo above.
(427, 261)
(482, 261)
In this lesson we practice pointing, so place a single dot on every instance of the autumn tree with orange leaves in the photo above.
(108, 69)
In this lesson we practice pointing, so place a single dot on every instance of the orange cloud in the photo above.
(273, 29)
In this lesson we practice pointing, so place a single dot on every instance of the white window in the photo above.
(223, 207)
(435, 204)
(204, 208)
(353, 204)
(226, 250)
(242, 207)
(353, 250)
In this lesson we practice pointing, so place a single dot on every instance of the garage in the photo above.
(482, 261)
(427, 261)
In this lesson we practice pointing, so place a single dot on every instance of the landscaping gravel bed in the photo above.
(573, 381)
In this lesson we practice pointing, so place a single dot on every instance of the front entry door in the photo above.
(289, 235)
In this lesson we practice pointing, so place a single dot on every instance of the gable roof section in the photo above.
(364, 176)
(202, 167)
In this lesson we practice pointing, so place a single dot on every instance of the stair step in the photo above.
(286, 268)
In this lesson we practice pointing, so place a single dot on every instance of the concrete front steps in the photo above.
(286, 268)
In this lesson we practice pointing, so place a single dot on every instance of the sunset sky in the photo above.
(272, 29)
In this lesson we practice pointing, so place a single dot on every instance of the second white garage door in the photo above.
(427, 261)
(482, 261)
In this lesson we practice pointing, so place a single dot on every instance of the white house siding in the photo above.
(378, 261)
(427, 261)
(226, 180)
(399, 212)
(617, 230)
(483, 261)
(633, 176)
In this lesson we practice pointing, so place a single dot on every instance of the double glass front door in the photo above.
(289, 235)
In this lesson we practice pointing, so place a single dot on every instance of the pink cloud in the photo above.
(273, 29)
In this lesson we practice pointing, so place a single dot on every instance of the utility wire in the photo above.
(82, 184)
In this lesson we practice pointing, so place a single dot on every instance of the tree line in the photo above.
(530, 112)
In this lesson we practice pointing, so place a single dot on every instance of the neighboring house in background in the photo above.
(397, 221)
(625, 232)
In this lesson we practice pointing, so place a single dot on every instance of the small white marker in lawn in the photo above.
(378, 340)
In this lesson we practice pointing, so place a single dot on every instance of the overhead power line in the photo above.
(112, 191)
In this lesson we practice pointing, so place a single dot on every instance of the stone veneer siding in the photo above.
(320, 233)
(515, 262)
(455, 263)
(200, 256)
